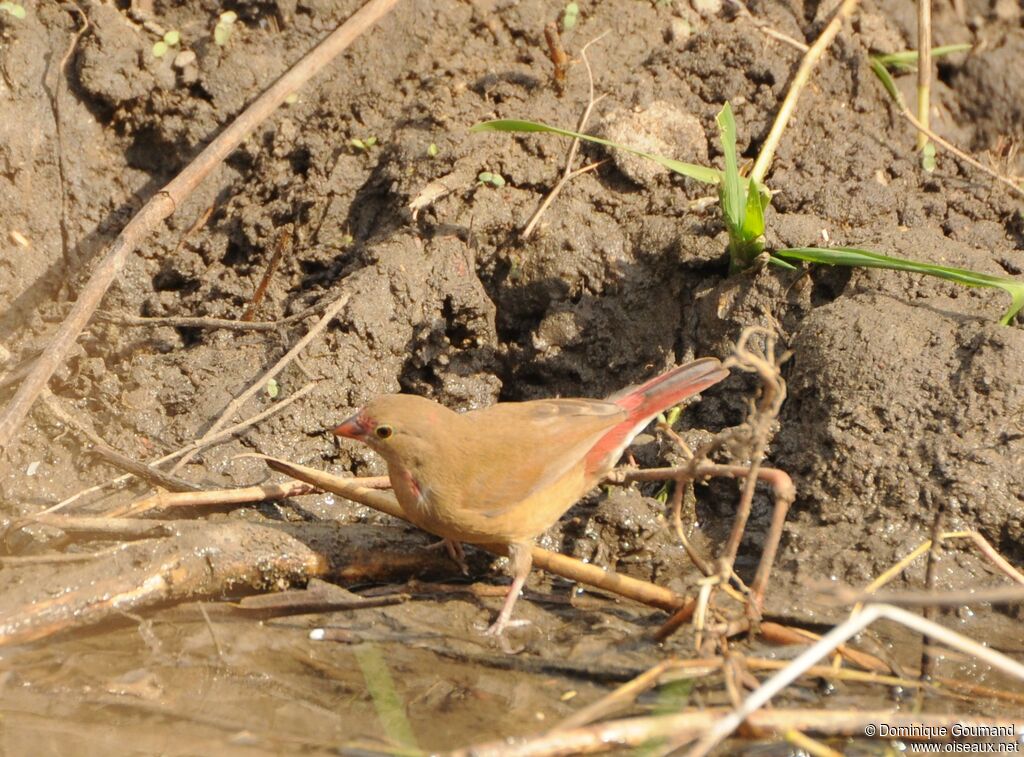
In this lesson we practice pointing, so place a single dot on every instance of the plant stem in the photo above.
(764, 159)
(924, 67)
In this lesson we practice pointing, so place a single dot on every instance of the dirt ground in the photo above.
(905, 395)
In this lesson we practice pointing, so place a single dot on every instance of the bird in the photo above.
(503, 474)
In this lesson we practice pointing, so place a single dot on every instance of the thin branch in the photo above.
(944, 144)
(568, 174)
(260, 383)
(622, 736)
(798, 667)
(167, 200)
(227, 433)
(803, 74)
(118, 459)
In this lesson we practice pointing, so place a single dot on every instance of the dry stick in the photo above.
(217, 497)
(568, 567)
(167, 200)
(568, 174)
(217, 438)
(621, 735)
(1000, 595)
(764, 158)
(785, 494)
(805, 743)
(905, 112)
(54, 97)
(235, 496)
(894, 570)
(928, 660)
(203, 322)
(259, 384)
(924, 68)
(798, 667)
(284, 238)
(773, 390)
(199, 223)
(627, 694)
(117, 459)
(765, 28)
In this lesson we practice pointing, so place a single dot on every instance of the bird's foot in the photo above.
(497, 627)
(455, 551)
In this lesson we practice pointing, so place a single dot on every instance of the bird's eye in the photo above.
(384, 432)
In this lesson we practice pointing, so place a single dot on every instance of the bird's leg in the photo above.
(520, 559)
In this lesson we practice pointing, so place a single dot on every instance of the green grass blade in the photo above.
(781, 263)
(886, 78)
(691, 170)
(734, 204)
(851, 256)
(753, 223)
(907, 59)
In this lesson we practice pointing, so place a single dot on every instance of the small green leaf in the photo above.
(228, 17)
(357, 143)
(432, 150)
(160, 49)
(172, 38)
(273, 389)
(494, 179)
(570, 16)
(370, 141)
(928, 157)
(15, 10)
(700, 173)
(753, 222)
(221, 34)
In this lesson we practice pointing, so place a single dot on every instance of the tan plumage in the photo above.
(505, 473)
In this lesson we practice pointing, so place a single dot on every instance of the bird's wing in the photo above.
(532, 446)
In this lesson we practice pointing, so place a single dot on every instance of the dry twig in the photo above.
(568, 174)
(260, 383)
(800, 79)
(167, 200)
(227, 433)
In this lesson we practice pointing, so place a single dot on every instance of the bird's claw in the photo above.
(455, 552)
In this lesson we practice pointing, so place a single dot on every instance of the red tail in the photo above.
(645, 401)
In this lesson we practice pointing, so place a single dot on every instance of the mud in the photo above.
(904, 393)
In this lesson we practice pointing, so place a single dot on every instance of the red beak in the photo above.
(352, 428)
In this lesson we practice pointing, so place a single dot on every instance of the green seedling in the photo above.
(363, 145)
(570, 16)
(904, 61)
(225, 26)
(170, 39)
(907, 59)
(432, 150)
(494, 179)
(743, 203)
(273, 389)
(13, 9)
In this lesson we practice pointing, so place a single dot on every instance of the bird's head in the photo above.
(399, 427)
